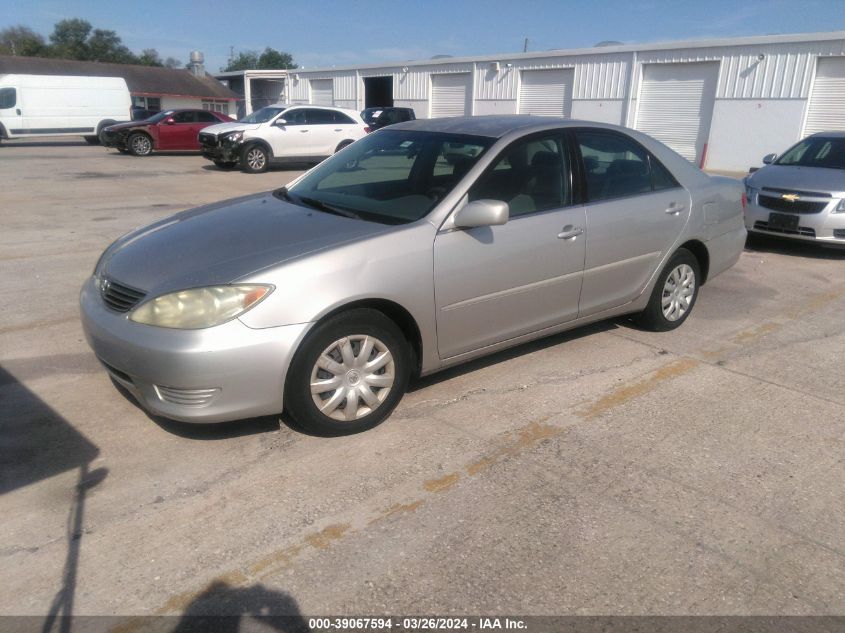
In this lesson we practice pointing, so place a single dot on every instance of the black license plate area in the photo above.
(783, 222)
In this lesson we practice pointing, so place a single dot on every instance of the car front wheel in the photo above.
(140, 144)
(254, 159)
(674, 294)
(349, 374)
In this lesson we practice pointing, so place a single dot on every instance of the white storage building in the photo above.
(720, 103)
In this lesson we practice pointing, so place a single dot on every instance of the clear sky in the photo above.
(321, 33)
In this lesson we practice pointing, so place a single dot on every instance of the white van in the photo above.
(54, 105)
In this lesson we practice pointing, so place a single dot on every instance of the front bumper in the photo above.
(217, 374)
(113, 139)
(221, 151)
(822, 227)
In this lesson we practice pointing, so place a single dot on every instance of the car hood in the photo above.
(125, 126)
(220, 243)
(219, 128)
(818, 179)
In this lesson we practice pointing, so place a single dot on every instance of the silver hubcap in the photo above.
(255, 159)
(678, 292)
(141, 145)
(352, 377)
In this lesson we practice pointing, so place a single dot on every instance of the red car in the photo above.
(168, 130)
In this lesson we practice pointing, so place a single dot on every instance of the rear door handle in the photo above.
(338, 129)
(303, 131)
(18, 111)
(570, 232)
(674, 209)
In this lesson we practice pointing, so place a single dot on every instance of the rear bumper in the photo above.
(223, 373)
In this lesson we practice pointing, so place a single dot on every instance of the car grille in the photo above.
(798, 206)
(187, 397)
(209, 140)
(802, 230)
(116, 372)
(118, 297)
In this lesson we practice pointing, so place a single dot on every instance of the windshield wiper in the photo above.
(322, 206)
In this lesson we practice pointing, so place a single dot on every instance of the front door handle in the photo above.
(674, 209)
(303, 131)
(570, 232)
(18, 111)
(338, 129)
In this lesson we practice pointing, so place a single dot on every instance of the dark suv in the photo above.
(376, 118)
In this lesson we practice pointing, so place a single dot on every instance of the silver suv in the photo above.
(281, 133)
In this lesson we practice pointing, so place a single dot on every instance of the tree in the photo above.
(270, 59)
(69, 39)
(106, 46)
(21, 40)
(150, 57)
(172, 62)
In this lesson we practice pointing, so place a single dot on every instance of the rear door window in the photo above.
(614, 165)
(8, 98)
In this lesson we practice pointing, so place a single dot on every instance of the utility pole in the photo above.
(525, 46)
(231, 54)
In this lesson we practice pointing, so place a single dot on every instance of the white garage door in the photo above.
(676, 105)
(827, 103)
(450, 94)
(546, 92)
(321, 92)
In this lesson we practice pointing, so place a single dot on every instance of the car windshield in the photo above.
(816, 151)
(160, 116)
(392, 177)
(370, 115)
(263, 115)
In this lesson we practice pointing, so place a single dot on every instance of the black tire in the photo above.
(139, 144)
(225, 164)
(341, 145)
(255, 159)
(654, 317)
(300, 403)
(92, 140)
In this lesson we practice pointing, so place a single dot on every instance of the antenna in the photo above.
(525, 46)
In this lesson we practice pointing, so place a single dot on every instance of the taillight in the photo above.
(367, 129)
(744, 200)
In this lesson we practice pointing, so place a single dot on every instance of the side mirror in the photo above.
(482, 213)
(768, 159)
(280, 122)
(169, 121)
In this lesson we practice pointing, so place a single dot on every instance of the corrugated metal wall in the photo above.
(785, 72)
(596, 76)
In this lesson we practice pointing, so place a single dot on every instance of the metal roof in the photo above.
(141, 80)
(754, 40)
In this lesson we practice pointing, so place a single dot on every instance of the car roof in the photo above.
(309, 105)
(497, 125)
(831, 134)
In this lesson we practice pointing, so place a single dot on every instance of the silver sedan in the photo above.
(401, 256)
(801, 194)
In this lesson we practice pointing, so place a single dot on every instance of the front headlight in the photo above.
(840, 208)
(234, 137)
(198, 308)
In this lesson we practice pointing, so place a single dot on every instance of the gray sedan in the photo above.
(399, 257)
(801, 194)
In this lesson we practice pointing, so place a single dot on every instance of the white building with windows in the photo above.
(720, 103)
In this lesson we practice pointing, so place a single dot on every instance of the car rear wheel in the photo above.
(140, 144)
(341, 145)
(349, 374)
(255, 159)
(674, 295)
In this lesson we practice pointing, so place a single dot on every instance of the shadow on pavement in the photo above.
(222, 608)
(784, 246)
(35, 441)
